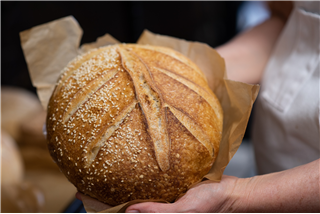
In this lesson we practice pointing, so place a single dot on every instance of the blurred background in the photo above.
(33, 183)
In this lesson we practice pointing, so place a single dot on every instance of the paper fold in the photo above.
(44, 60)
(48, 48)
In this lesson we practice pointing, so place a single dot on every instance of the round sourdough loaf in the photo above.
(132, 122)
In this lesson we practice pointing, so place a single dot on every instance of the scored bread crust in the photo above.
(132, 122)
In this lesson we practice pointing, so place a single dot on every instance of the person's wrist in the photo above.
(233, 194)
(241, 194)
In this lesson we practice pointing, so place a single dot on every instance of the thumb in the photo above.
(151, 207)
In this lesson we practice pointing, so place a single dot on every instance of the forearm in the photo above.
(294, 190)
(247, 54)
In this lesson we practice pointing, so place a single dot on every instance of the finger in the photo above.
(152, 207)
(78, 196)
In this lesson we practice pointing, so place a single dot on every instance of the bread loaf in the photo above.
(31, 131)
(17, 105)
(12, 167)
(132, 122)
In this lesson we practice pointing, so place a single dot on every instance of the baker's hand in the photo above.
(208, 196)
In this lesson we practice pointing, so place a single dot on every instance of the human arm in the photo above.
(293, 190)
(247, 54)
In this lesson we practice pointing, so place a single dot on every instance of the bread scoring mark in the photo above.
(83, 78)
(154, 58)
(97, 112)
(94, 146)
(151, 106)
(191, 104)
(93, 113)
(193, 128)
(74, 65)
(89, 89)
(208, 96)
(176, 56)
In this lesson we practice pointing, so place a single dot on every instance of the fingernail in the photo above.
(133, 211)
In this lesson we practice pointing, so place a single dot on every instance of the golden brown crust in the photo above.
(151, 103)
(132, 122)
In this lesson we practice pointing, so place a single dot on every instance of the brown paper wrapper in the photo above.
(236, 98)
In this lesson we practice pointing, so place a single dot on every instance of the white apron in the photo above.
(286, 118)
